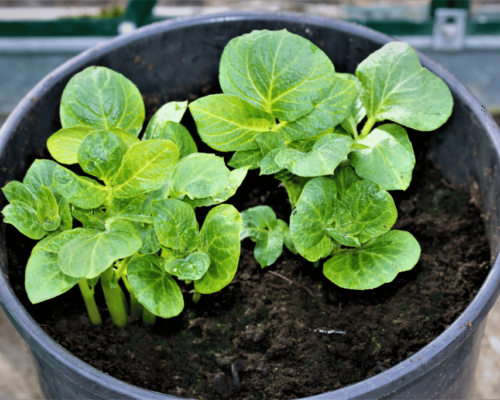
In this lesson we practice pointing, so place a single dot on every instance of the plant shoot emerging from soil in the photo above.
(285, 110)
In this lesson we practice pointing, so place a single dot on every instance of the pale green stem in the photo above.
(88, 298)
(135, 306)
(122, 268)
(148, 318)
(367, 128)
(115, 299)
(196, 296)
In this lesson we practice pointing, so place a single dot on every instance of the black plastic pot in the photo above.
(185, 55)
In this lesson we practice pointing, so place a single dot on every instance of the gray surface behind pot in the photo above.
(185, 57)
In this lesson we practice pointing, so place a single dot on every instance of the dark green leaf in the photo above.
(150, 243)
(343, 178)
(100, 98)
(287, 237)
(154, 288)
(376, 263)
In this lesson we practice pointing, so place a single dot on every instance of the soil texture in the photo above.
(286, 332)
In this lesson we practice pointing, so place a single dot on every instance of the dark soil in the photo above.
(264, 336)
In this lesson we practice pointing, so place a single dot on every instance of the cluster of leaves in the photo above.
(285, 110)
(137, 215)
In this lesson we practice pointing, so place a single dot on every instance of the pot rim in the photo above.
(391, 379)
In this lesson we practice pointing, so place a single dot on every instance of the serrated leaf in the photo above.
(394, 86)
(220, 239)
(150, 243)
(153, 286)
(24, 218)
(44, 279)
(47, 209)
(311, 217)
(174, 132)
(389, 160)
(192, 267)
(276, 71)
(343, 178)
(247, 158)
(325, 156)
(90, 257)
(287, 237)
(16, 191)
(337, 96)
(101, 153)
(175, 225)
(94, 218)
(100, 98)
(236, 178)
(41, 173)
(228, 123)
(368, 208)
(81, 191)
(260, 224)
(376, 263)
(145, 167)
(356, 112)
(198, 176)
(64, 144)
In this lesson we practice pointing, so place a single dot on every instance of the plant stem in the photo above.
(122, 268)
(135, 306)
(367, 128)
(115, 299)
(88, 298)
(148, 318)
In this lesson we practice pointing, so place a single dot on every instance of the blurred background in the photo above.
(36, 36)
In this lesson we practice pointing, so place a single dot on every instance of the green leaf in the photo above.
(394, 86)
(192, 267)
(24, 218)
(367, 209)
(129, 205)
(356, 112)
(153, 286)
(343, 178)
(101, 154)
(44, 280)
(311, 217)
(293, 185)
(374, 264)
(198, 176)
(268, 165)
(325, 156)
(90, 218)
(173, 111)
(145, 167)
(287, 237)
(337, 97)
(16, 191)
(228, 123)
(81, 191)
(236, 178)
(278, 71)
(41, 173)
(90, 257)
(65, 213)
(47, 209)
(100, 98)
(260, 224)
(174, 132)
(64, 144)
(343, 237)
(175, 225)
(247, 158)
(128, 138)
(150, 243)
(220, 239)
(389, 160)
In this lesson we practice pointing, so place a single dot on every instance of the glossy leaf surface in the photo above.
(17, 191)
(47, 209)
(64, 144)
(192, 267)
(176, 133)
(24, 218)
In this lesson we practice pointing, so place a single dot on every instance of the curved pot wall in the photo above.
(181, 61)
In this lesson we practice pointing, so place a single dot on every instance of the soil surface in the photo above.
(286, 332)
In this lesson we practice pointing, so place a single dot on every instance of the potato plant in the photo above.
(134, 200)
(285, 110)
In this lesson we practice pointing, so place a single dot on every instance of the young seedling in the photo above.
(285, 110)
(136, 210)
